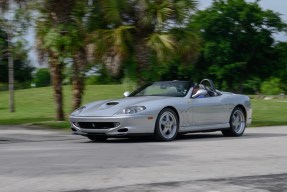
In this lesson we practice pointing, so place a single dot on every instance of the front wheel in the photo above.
(237, 123)
(167, 125)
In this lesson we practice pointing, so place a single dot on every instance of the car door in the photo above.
(207, 111)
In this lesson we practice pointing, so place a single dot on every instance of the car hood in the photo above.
(111, 107)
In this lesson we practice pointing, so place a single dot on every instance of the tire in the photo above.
(237, 123)
(167, 124)
(97, 138)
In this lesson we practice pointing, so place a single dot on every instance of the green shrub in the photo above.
(100, 80)
(252, 85)
(22, 85)
(42, 78)
(3, 86)
(17, 85)
(271, 86)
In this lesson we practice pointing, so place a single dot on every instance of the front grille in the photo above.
(97, 125)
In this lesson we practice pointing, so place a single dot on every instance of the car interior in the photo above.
(207, 84)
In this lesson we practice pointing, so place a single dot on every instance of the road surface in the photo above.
(36, 160)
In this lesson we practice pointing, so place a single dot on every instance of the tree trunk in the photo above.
(56, 73)
(78, 79)
(11, 76)
(142, 56)
(58, 14)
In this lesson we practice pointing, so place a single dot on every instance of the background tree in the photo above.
(54, 42)
(79, 34)
(66, 37)
(13, 26)
(238, 43)
(146, 32)
(22, 68)
(281, 50)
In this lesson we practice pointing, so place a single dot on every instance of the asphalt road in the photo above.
(45, 160)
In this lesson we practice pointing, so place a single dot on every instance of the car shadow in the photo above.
(194, 137)
(146, 139)
(219, 136)
(151, 139)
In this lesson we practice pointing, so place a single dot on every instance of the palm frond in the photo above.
(154, 12)
(111, 46)
(112, 10)
(116, 39)
(188, 44)
(163, 45)
(163, 12)
(183, 8)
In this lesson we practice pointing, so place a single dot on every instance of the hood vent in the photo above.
(112, 103)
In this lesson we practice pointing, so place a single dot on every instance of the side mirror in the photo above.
(127, 93)
(200, 92)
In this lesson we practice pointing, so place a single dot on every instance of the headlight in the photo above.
(78, 111)
(132, 110)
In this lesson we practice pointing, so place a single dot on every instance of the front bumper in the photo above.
(249, 117)
(128, 125)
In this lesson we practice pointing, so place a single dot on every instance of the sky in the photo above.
(279, 6)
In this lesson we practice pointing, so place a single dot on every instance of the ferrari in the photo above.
(164, 110)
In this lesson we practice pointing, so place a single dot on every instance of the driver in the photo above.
(194, 91)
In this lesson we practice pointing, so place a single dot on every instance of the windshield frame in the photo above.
(189, 85)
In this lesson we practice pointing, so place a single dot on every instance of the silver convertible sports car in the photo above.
(164, 109)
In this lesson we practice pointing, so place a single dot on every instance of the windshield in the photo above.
(164, 88)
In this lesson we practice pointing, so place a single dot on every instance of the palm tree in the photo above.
(142, 28)
(53, 41)
(113, 26)
(79, 34)
(119, 30)
(6, 23)
(9, 25)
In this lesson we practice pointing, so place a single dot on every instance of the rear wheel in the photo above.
(166, 127)
(237, 123)
(97, 138)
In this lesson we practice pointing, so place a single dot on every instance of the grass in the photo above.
(35, 106)
(269, 112)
